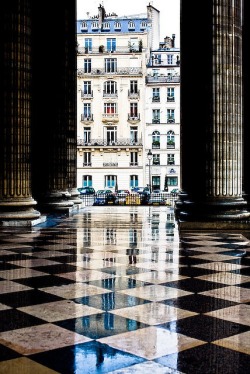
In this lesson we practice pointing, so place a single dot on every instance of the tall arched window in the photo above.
(156, 140)
(110, 88)
(170, 139)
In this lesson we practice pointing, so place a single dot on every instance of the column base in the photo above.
(18, 212)
(212, 213)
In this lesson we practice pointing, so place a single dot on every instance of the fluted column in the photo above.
(54, 125)
(16, 201)
(211, 116)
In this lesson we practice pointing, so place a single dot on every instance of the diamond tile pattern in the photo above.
(118, 290)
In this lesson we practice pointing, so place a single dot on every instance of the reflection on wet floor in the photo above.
(116, 290)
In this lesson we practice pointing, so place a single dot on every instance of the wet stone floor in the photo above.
(117, 290)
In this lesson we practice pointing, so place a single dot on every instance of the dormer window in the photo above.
(143, 25)
(117, 26)
(106, 26)
(84, 26)
(131, 25)
(94, 25)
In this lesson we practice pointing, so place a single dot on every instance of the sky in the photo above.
(169, 12)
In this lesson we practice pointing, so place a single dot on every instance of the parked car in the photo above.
(175, 191)
(141, 190)
(159, 198)
(121, 196)
(86, 190)
(104, 197)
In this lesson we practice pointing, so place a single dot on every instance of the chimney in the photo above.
(101, 15)
(173, 40)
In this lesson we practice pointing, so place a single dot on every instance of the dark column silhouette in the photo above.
(54, 110)
(16, 201)
(211, 116)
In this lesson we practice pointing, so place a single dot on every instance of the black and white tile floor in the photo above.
(116, 290)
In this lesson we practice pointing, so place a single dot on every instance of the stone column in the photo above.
(16, 201)
(211, 116)
(54, 94)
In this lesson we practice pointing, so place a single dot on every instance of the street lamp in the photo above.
(149, 156)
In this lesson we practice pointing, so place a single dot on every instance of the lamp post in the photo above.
(149, 156)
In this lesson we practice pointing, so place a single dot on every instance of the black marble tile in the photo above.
(101, 325)
(7, 354)
(242, 271)
(25, 298)
(110, 301)
(12, 319)
(194, 285)
(205, 328)
(44, 281)
(6, 266)
(89, 358)
(199, 303)
(56, 269)
(117, 283)
(207, 359)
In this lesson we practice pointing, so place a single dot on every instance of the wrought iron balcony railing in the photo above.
(119, 71)
(87, 95)
(87, 118)
(105, 142)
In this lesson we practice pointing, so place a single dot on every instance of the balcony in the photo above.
(120, 142)
(133, 95)
(110, 117)
(132, 118)
(155, 99)
(87, 164)
(110, 95)
(134, 72)
(87, 95)
(156, 145)
(133, 164)
(170, 99)
(171, 120)
(110, 164)
(156, 120)
(160, 79)
(170, 145)
(87, 118)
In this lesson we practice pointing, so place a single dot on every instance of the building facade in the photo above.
(114, 100)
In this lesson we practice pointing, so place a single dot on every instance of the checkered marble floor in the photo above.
(117, 290)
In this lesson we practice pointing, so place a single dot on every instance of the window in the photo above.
(110, 87)
(133, 158)
(111, 134)
(111, 44)
(133, 86)
(87, 134)
(156, 94)
(95, 25)
(170, 59)
(110, 108)
(172, 181)
(133, 181)
(87, 181)
(88, 45)
(170, 94)
(131, 25)
(133, 110)
(87, 159)
(156, 140)
(156, 182)
(106, 25)
(87, 65)
(133, 134)
(170, 116)
(170, 159)
(117, 26)
(87, 110)
(133, 44)
(170, 139)
(110, 65)
(156, 116)
(84, 26)
(87, 87)
(110, 181)
(143, 25)
(156, 159)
